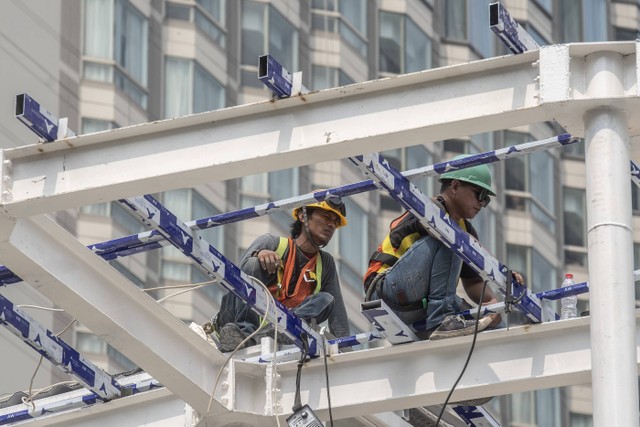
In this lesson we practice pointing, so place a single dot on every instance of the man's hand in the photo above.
(496, 318)
(519, 278)
(269, 260)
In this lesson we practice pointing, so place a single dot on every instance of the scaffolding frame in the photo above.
(591, 89)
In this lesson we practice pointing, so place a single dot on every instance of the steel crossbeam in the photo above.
(104, 300)
(57, 351)
(149, 240)
(440, 225)
(388, 113)
(77, 398)
(213, 263)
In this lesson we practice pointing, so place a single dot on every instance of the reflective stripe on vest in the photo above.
(295, 299)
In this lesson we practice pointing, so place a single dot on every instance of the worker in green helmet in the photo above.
(416, 275)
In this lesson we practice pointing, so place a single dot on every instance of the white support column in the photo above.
(614, 368)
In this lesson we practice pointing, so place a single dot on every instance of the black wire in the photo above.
(326, 373)
(466, 363)
(297, 404)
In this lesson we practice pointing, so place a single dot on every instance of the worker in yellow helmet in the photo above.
(298, 273)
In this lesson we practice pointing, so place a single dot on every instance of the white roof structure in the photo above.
(592, 90)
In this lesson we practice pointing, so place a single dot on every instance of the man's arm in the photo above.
(261, 250)
(338, 321)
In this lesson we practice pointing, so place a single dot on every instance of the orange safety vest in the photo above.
(308, 282)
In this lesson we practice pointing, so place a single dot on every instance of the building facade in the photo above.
(106, 64)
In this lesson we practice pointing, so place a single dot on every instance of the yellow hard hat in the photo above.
(332, 204)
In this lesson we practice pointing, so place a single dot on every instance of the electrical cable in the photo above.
(192, 288)
(28, 399)
(39, 307)
(466, 363)
(270, 301)
(297, 404)
(187, 285)
(326, 374)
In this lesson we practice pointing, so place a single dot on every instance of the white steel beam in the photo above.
(155, 408)
(540, 356)
(97, 295)
(436, 104)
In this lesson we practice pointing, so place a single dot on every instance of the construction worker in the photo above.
(298, 273)
(416, 275)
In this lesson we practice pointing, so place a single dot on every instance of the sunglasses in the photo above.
(336, 203)
(482, 194)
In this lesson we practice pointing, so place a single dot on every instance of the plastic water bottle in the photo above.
(569, 303)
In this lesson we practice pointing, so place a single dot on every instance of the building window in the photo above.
(583, 20)
(265, 30)
(546, 5)
(120, 216)
(625, 33)
(535, 34)
(539, 273)
(345, 17)
(575, 150)
(580, 420)
(635, 198)
(265, 187)
(208, 16)
(543, 273)
(188, 204)
(465, 21)
(523, 408)
(353, 245)
(189, 88)
(575, 235)
(96, 125)
(548, 407)
(404, 48)
(485, 225)
(89, 343)
(115, 46)
(128, 274)
(529, 182)
(327, 77)
(408, 158)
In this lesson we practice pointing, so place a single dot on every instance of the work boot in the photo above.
(231, 336)
(457, 326)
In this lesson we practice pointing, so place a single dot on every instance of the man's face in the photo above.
(322, 224)
(471, 199)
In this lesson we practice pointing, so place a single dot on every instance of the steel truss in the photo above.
(583, 87)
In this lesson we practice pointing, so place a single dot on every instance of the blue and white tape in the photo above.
(155, 215)
(441, 226)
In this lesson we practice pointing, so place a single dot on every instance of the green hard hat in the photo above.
(479, 175)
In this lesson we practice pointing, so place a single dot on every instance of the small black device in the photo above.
(304, 417)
